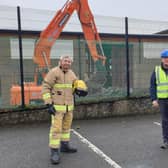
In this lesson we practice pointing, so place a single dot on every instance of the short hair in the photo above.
(65, 56)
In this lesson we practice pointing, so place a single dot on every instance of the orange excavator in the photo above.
(32, 91)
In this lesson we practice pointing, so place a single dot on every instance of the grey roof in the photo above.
(37, 20)
(163, 32)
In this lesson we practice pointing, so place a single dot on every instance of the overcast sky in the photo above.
(140, 9)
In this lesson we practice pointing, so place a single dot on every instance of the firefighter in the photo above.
(159, 93)
(57, 92)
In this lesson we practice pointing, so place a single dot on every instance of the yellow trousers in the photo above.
(60, 128)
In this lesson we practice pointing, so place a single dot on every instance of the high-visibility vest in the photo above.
(162, 82)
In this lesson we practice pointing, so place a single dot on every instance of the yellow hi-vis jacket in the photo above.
(57, 89)
(161, 82)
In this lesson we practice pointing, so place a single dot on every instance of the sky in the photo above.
(141, 9)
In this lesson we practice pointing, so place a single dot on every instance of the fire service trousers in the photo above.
(60, 128)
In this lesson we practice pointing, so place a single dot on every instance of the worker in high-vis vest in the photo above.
(57, 93)
(159, 93)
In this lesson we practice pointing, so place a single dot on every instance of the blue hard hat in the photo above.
(164, 53)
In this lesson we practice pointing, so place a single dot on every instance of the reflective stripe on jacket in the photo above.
(162, 82)
(57, 87)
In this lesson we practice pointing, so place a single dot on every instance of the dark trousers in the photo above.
(163, 104)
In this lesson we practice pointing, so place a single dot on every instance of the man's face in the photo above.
(66, 64)
(165, 62)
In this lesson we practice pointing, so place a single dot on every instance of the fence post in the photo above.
(79, 52)
(21, 56)
(127, 57)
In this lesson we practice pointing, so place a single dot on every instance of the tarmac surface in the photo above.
(122, 142)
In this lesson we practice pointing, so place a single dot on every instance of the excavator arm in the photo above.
(90, 31)
(47, 39)
(55, 27)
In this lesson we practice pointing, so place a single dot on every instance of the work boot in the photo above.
(65, 147)
(164, 146)
(55, 156)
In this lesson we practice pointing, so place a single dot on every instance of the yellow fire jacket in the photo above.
(57, 87)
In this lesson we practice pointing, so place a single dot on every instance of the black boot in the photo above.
(65, 147)
(55, 156)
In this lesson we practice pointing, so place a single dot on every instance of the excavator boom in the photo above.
(55, 27)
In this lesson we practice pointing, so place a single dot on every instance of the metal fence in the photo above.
(130, 60)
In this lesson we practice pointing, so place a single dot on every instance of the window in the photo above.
(153, 49)
(61, 47)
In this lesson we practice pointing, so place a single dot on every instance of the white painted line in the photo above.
(157, 123)
(97, 150)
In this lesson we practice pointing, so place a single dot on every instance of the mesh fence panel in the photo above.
(104, 81)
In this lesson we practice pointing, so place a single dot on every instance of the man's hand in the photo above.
(155, 103)
(51, 109)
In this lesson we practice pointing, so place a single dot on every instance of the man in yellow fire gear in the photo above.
(57, 93)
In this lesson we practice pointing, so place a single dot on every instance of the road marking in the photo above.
(157, 123)
(97, 150)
